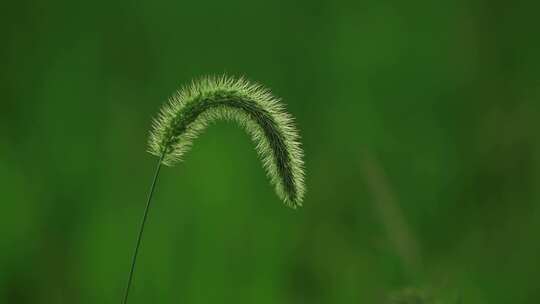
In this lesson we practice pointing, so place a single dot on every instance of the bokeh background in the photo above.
(420, 127)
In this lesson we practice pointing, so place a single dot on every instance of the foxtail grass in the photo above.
(187, 114)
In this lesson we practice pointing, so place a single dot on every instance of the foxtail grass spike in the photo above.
(194, 107)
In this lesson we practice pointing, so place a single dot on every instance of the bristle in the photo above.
(193, 107)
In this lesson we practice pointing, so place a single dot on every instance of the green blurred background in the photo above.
(419, 122)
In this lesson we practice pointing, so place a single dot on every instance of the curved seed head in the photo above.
(191, 109)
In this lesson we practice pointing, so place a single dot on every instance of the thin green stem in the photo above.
(141, 230)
